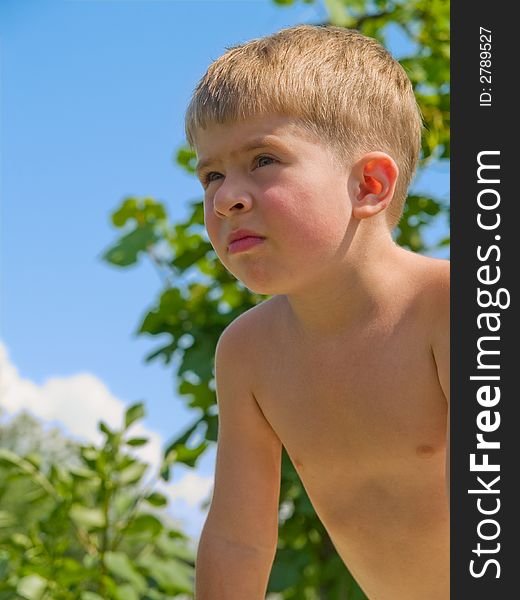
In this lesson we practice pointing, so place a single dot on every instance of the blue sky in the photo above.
(92, 97)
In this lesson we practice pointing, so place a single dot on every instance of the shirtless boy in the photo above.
(307, 141)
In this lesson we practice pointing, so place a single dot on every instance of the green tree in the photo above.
(200, 297)
(90, 527)
(25, 434)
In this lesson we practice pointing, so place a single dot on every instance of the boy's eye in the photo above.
(262, 161)
(211, 176)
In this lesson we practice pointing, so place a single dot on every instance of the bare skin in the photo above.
(346, 366)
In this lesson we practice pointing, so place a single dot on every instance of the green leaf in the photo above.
(337, 13)
(191, 256)
(133, 473)
(137, 442)
(144, 523)
(103, 427)
(167, 315)
(212, 430)
(13, 460)
(72, 572)
(32, 587)
(186, 158)
(89, 454)
(21, 540)
(172, 575)
(90, 518)
(165, 352)
(119, 564)
(197, 358)
(127, 211)
(203, 397)
(156, 499)
(10, 458)
(168, 461)
(4, 565)
(83, 473)
(184, 436)
(286, 571)
(126, 592)
(34, 459)
(134, 413)
(152, 211)
(90, 596)
(174, 549)
(7, 519)
(189, 456)
(126, 250)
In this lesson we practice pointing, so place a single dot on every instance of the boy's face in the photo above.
(268, 175)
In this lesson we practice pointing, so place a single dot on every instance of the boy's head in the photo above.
(342, 86)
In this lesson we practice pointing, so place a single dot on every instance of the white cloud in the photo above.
(192, 488)
(77, 403)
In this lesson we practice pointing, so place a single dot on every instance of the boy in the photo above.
(307, 141)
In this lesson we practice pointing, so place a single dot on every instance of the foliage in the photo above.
(24, 434)
(89, 528)
(200, 298)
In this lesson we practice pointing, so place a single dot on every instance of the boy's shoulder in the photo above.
(431, 277)
(435, 314)
(429, 289)
(254, 324)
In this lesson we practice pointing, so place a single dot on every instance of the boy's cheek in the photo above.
(213, 239)
(211, 223)
(212, 227)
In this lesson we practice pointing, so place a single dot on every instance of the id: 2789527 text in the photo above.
(485, 67)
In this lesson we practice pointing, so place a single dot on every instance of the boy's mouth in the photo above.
(243, 239)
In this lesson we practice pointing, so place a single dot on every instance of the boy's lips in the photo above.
(243, 239)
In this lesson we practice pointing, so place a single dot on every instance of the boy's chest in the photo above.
(374, 399)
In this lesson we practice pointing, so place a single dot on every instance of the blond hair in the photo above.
(341, 85)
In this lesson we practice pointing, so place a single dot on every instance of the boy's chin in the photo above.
(259, 288)
(266, 283)
(257, 280)
(259, 285)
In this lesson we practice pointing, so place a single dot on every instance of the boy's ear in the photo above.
(372, 179)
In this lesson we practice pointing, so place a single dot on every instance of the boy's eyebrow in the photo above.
(253, 144)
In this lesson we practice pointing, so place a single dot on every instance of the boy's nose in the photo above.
(228, 200)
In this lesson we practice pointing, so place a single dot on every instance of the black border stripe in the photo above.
(475, 129)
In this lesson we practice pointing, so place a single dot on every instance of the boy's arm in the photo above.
(239, 538)
(441, 353)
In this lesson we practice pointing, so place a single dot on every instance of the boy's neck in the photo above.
(354, 291)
